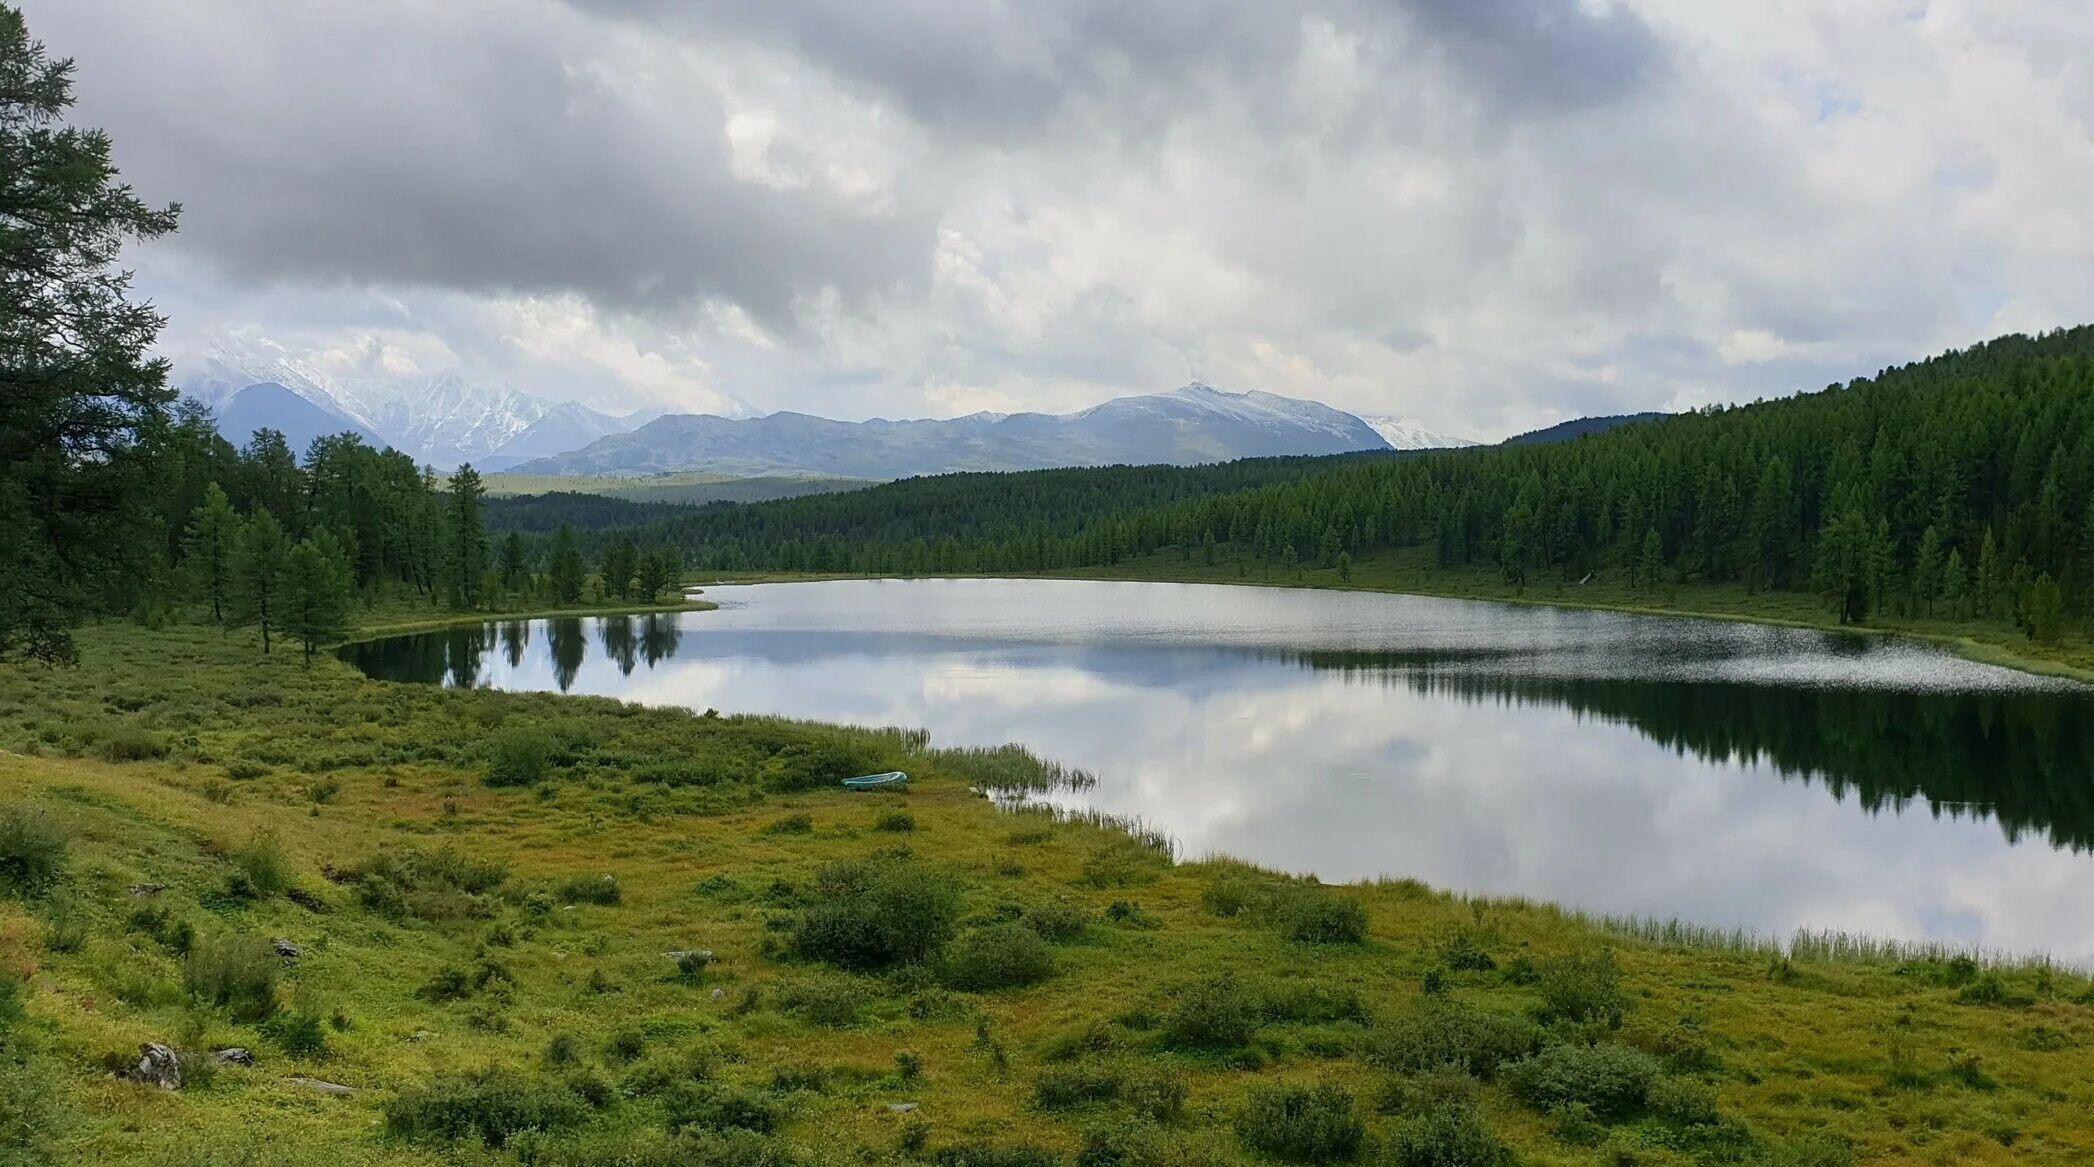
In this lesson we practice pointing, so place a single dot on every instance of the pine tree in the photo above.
(257, 576)
(80, 398)
(620, 561)
(1344, 567)
(1955, 585)
(1650, 561)
(566, 574)
(512, 569)
(1844, 573)
(468, 534)
(1773, 519)
(1926, 573)
(1992, 582)
(2043, 609)
(208, 549)
(317, 586)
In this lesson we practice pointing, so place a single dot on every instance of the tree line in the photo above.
(1956, 487)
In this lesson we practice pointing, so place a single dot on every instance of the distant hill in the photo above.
(271, 406)
(1194, 425)
(1564, 431)
(689, 489)
(1404, 434)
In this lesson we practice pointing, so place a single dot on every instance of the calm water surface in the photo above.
(1727, 774)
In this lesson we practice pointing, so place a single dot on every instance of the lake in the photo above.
(1725, 774)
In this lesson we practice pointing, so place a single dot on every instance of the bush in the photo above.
(1682, 1102)
(710, 1106)
(129, 743)
(233, 972)
(299, 1034)
(1001, 956)
(1057, 920)
(832, 1001)
(1447, 1136)
(895, 822)
(591, 889)
(807, 765)
(728, 1148)
(260, 863)
(978, 1155)
(1462, 953)
(1581, 989)
(1217, 1014)
(792, 824)
(164, 927)
(1613, 1080)
(1156, 1094)
(491, 1105)
(877, 914)
(1232, 894)
(1301, 1124)
(32, 851)
(1438, 1034)
(1309, 914)
(519, 757)
(430, 885)
(1066, 1087)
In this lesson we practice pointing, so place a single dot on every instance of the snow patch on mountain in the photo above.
(1402, 433)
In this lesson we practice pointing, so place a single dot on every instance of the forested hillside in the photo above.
(1957, 485)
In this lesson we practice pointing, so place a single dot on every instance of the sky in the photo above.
(1486, 215)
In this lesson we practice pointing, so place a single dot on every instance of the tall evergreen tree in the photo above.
(1844, 572)
(566, 572)
(1926, 573)
(274, 481)
(258, 576)
(208, 549)
(317, 586)
(81, 402)
(513, 568)
(468, 533)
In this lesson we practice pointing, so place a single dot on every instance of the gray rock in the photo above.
(420, 1035)
(232, 1056)
(902, 1107)
(319, 1087)
(286, 949)
(719, 993)
(139, 891)
(159, 1065)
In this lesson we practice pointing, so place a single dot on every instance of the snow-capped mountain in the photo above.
(1404, 434)
(440, 420)
(1195, 424)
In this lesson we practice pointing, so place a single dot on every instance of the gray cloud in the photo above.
(469, 151)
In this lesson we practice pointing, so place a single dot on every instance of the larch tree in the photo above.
(566, 573)
(316, 592)
(258, 575)
(80, 399)
(208, 550)
(467, 557)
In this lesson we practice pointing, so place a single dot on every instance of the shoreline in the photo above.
(365, 633)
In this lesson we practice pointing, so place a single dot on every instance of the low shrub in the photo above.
(1216, 1014)
(809, 765)
(261, 867)
(591, 889)
(1154, 1093)
(895, 822)
(1988, 989)
(1311, 914)
(237, 973)
(712, 1106)
(1447, 1136)
(32, 851)
(831, 1001)
(1058, 920)
(1613, 1080)
(518, 757)
(1437, 1034)
(875, 914)
(1301, 1124)
(163, 927)
(1682, 1102)
(1067, 1087)
(1464, 953)
(429, 885)
(1001, 956)
(792, 824)
(982, 1155)
(130, 743)
(1581, 989)
(1234, 893)
(490, 1105)
(300, 1034)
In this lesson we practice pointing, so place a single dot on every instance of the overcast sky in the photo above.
(1483, 214)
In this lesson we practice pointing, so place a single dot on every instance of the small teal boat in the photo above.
(876, 781)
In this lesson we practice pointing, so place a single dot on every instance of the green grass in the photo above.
(467, 968)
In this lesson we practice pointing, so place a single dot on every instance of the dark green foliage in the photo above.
(895, 822)
(83, 400)
(1001, 956)
(1067, 1087)
(318, 587)
(712, 1106)
(32, 851)
(982, 1155)
(874, 914)
(1581, 989)
(1613, 1080)
(1301, 1124)
(823, 761)
(1310, 914)
(1058, 921)
(591, 889)
(1463, 953)
(1447, 1136)
(259, 870)
(1682, 1102)
(1436, 1034)
(792, 824)
(490, 1105)
(300, 1034)
(164, 927)
(519, 757)
(431, 885)
(1990, 989)
(1216, 1014)
(235, 973)
(130, 743)
(831, 1001)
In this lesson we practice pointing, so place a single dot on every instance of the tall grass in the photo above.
(1010, 769)
(1815, 946)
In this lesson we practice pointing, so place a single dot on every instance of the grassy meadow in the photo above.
(484, 891)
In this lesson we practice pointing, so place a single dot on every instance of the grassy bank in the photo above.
(395, 617)
(481, 888)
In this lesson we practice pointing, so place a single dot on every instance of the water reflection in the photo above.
(1622, 764)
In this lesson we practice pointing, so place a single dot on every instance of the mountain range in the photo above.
(1198, 423)
(441, 420)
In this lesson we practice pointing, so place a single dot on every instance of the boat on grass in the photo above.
(876, 781)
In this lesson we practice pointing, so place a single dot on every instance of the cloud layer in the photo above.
(1486, 214)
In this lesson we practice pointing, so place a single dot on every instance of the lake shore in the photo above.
(179, 759)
